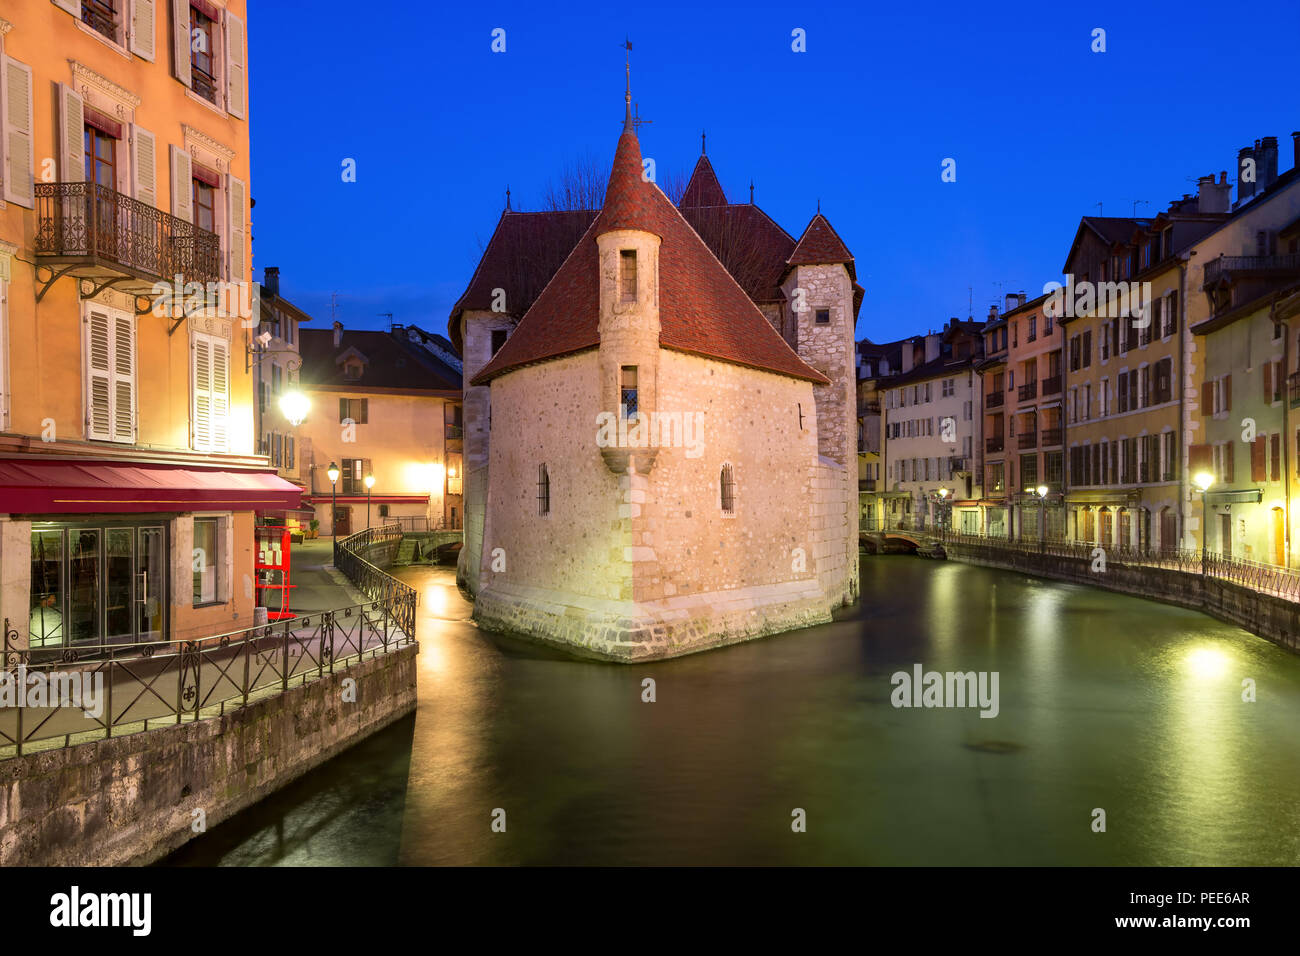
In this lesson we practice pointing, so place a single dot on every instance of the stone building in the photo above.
(661, 422)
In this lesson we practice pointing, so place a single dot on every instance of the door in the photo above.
(151, 584)
(83, 586)
(119, 599)
(342, 522)
(1279, 537)
(1225, 535)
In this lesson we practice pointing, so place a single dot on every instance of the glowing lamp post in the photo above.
(370, 483)
(333, 473)
(1203, 480)
(295, 406)
(1041, 491)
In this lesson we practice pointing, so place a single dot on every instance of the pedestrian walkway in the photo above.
(318, 585)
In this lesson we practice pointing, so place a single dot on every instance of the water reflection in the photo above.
(1106, 702)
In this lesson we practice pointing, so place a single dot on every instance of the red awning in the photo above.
(80, 486)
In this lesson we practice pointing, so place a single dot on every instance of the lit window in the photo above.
(205, 561)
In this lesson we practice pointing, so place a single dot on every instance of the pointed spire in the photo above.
(507, 197)
(703, 188)
(627, 119)
(751, 192)
(703, 138)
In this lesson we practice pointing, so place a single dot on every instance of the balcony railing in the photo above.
(1052, 385)
(1027, 439)
(454, 431)
(1227, 267)
(1052, 436)
(866, 484)
(1293, 388)
(993, 444)
(1029, 391)
(995, 399)
(92, 225)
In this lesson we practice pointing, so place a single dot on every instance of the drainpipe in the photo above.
(1286, 431)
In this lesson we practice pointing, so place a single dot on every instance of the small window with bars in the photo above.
(727, 490)
(627, 391)
(543, 491)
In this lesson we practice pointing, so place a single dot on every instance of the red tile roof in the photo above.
(752, 247)
(525, 250)
(703, 188)
(820, 244)
(702, 310)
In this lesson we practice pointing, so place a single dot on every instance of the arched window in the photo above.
(727, 488)
(543, 491)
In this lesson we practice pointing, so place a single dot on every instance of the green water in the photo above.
(1106, 701)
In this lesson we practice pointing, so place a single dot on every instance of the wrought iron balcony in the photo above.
(866, 484)
(993, 444)
(94, 232)
(1027, 439)
(1229, 268)
(1052, 436)
(1052, 385)
(1028, 392)
(995, 399)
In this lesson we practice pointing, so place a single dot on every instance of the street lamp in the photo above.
(1041, 491)
(333, 473)
(370, 483)
(943, 497)
(1203, 480)
(294, 405)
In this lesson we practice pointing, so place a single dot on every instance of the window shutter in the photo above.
(144, 166)
(99, 376)
(123, 378)
(1229, 465)
(1275, 446)
(236, 65)
(1207, 398)
(72, 135)
(16, 98)
(181, 41)
(238, 199)
(72, 6)
(1227, 393)
(202, 359)
(182, 185)
(220, 395)
(365, 412)
(343, 410)
(144, 29)
(1258, 463)
(1199, 458)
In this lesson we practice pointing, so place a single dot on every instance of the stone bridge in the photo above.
(901, 541)
(429, 546)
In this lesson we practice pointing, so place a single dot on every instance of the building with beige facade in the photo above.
(668, 431)
(384, 405)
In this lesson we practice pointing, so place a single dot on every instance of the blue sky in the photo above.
(1042, 130)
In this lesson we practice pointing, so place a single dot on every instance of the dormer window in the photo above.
(352, 370)
(627, 275)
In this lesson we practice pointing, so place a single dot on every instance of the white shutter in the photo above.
(236, 65)
(16, 100)
(99, 375)
(72, 6)
(123, 377)
(72, 135)
(182, 185)
(144, 29)
(220, 395)
(144, 166)
(181, 40)
(202, 364)
(236, 194)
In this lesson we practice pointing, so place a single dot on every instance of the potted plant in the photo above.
(313, 527)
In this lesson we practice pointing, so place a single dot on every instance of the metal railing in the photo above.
(1052, 385)
(1224, 266)
(993, 444)
(1028, 391)
(1027, 439)
(171, 681)
(86, 220)
(1253, 575)
(1052, 436)
(351, 557)
(995, 399)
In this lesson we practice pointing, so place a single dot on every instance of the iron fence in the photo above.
(171, 681)
(351, 558)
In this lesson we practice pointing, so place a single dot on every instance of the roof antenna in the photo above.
(390, 319)
(1099, 209)
(507, 203)
(819, 205)
(1145, 202)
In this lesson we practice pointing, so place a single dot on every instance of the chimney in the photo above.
(1212, 196)
(338, 334)
(1266, 155)
(932, 342)
(1245, 190)
(271, 279)
(993, 312)
(909, 356)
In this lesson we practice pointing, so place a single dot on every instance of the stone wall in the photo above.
(130, 800)
(1272, 618)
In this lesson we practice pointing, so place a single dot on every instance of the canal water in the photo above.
(1106, 702)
